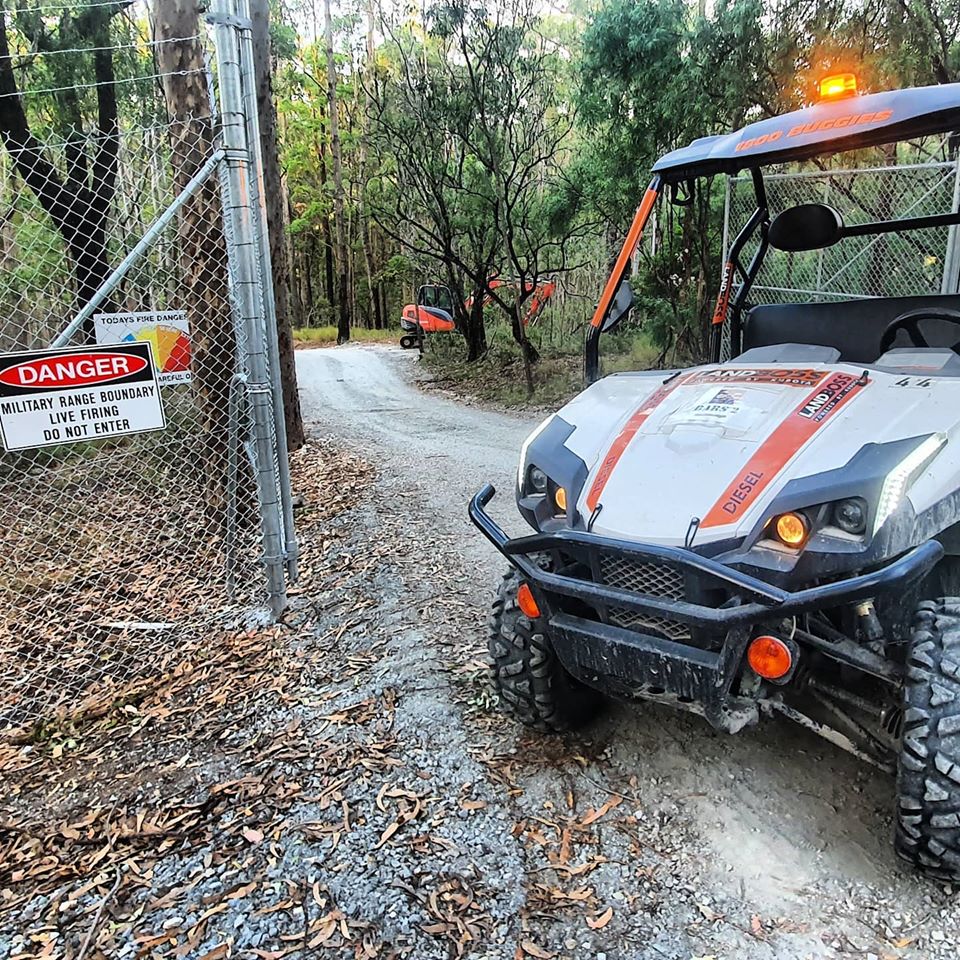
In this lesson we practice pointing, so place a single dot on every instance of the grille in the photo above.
(653, 579)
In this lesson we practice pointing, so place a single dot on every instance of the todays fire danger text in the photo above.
(68, 396)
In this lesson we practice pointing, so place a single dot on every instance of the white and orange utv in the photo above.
(778, 532)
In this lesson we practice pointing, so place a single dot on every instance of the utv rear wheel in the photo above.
(532, 684)
(928, 781)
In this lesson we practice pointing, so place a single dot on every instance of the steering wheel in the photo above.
(910, 321)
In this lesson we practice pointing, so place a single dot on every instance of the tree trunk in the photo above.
(343, 314)
(308, 278)
(203, 253)
(528, 351)
(476, 333)
(329, 283)
(298, 312)
(273, 195)
(519, 330)
(384, 306)
(472, 325)
(376, 321)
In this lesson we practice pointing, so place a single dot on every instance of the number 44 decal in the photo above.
(914, 382)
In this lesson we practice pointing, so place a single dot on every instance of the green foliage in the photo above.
(434, 120)
(66, 67)
(471, 135)
(69, 64)
(326, 336)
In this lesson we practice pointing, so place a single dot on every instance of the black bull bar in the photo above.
(619, 659)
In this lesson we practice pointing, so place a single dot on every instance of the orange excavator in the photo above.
(433, 311)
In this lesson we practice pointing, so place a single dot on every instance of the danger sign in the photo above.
(83, 393)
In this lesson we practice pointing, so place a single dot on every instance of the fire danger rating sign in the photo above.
(74, 394)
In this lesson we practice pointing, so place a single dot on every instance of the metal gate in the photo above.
(918, 262)
(128, 556)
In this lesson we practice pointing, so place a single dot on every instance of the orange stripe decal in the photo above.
(833, 391)
(629, 431)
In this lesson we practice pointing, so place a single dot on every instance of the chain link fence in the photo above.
(888, 265)
(130, 212)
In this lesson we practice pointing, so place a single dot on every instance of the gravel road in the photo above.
(339, 785)
(774, 841)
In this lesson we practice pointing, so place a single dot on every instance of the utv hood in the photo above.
(712, 447)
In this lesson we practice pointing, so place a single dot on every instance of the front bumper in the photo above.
(632, 663)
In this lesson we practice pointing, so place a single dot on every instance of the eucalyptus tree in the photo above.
(466, 118)
(202, 244)
(274, 202)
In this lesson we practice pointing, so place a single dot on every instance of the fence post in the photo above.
(818, 286)
(247, 286)
(951, 259)
(258, 204)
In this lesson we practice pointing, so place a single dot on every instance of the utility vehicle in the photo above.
(778, 532)
(433, 311)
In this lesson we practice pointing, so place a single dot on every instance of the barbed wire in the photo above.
(106, 83)
(65, 8)
(28, 58)
(54, 142)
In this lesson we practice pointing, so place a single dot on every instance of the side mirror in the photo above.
(808, 226)
(620, 308)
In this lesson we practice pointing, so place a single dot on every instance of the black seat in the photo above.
(854, 327)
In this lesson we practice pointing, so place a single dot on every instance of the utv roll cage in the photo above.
(851, 123)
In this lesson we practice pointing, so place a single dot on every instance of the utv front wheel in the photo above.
(532, 684)
(928, 781)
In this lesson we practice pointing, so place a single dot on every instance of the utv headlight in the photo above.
(536, 481)
(902, 475)
(850, 515)
(525, 448)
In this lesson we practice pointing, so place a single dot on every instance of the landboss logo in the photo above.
(790, 378)
(72, 370)
(820, 404)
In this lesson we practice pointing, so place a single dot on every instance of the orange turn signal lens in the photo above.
(769, 657)
(792, 529)
(838, 85)
(526, 603)
(560, 499)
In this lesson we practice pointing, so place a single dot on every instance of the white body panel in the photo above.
(689, 449)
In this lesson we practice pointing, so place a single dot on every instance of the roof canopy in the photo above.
(828, 127)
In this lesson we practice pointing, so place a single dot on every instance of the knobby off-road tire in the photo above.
(532, 684)
(928, 781)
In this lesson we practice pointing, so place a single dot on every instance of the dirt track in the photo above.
(338, 785)
(776, 823)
